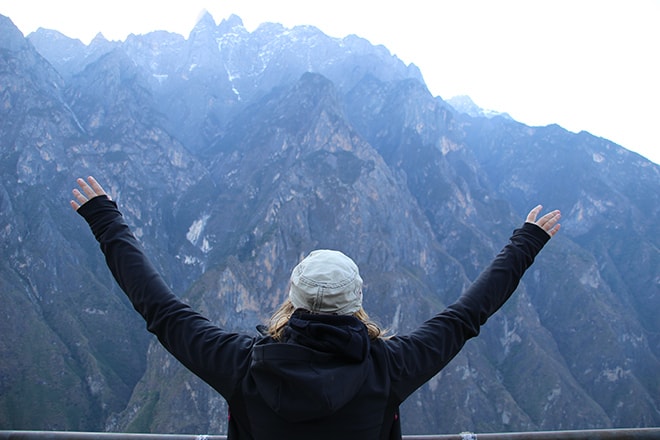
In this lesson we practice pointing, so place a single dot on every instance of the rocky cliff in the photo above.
(234, 153)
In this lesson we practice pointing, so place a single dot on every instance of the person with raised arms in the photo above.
(322, 369)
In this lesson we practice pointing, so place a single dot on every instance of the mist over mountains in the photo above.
(233, 154)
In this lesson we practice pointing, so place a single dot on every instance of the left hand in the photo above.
(549, 222)
(89, 191)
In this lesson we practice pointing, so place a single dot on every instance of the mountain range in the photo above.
(233, 154)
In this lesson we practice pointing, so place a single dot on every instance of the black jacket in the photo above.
(327, 379)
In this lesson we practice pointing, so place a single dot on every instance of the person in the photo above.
(323, 369)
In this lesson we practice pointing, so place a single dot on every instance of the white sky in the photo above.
(590, 65)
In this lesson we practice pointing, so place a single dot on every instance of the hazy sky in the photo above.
(590, 65)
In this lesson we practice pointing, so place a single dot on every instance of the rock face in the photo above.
(233, 154)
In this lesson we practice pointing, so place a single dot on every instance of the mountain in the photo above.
(54, 346)
(234, 153)
(464, 104)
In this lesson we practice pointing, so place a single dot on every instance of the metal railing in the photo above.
(594, 434)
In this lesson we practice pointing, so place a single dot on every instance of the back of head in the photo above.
(326, 281)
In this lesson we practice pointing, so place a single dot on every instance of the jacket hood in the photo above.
(316, 370)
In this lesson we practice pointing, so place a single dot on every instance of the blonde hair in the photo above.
(280, 319)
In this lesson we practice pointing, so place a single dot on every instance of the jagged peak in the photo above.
(204, 21)
(269, 27)
(50, 36)
(415, 72)
(11, 38)
(99, 38)
(310, 90)
(311, 94)
(101, 45)
(311, 79)
(231, 26)
(231, 22)
(49, 33)
(114, 66)
(294, 107)
(465, 104)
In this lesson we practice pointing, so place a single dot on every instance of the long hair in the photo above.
(280, 319)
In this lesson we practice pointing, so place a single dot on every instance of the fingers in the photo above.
(87, 189)
(550, 222)
(554, 230)
(90, 189)
(531, 217)
(96, 187)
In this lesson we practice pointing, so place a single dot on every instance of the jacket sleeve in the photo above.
(416, 358)
(216, 356)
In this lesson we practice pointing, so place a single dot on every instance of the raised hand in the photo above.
(549, 222)
(90, 189)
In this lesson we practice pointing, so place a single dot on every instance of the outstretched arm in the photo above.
(418, 357)
(217, 356)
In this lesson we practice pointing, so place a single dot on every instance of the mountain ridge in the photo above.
(227, 191)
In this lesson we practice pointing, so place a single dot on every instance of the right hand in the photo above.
(549, 222)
